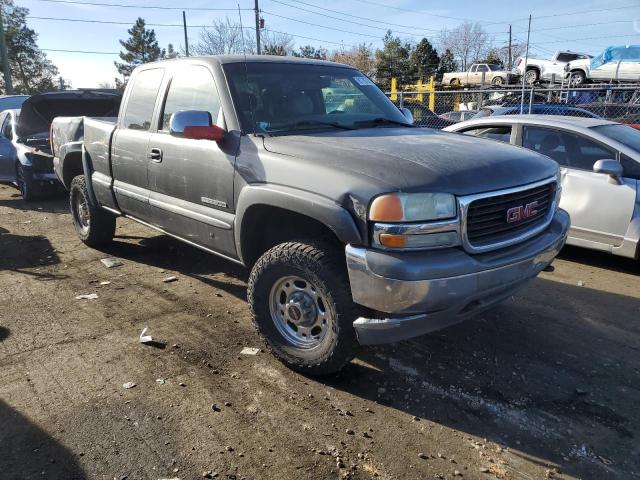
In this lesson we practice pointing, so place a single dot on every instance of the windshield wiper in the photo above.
(302, 123)
(383, 120)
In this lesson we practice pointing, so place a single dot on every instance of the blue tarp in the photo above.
(627, 53)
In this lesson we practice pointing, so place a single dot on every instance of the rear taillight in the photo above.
(519, 62)
(51, 140)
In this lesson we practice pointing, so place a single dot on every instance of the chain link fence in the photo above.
(441, 108)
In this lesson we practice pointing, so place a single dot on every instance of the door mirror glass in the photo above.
(188, 118)
(609, 167)
(407, 114)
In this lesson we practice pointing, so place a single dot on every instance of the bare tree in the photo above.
(276, 43)
(224, 37)
(468, 42)
(361, 57)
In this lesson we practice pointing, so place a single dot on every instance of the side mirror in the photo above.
(611, 168)
(407, 114)
(196, 125)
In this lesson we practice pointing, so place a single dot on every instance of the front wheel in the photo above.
(531, 76)
(301, 305)
(577, 78)
(24, 180)
(94, 226)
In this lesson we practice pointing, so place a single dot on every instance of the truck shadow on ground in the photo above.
(29, 452)
(23, 253)
(548, 379)
(165, 252)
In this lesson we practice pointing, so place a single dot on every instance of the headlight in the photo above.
(412, 207)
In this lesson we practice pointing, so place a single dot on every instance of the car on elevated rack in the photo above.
(600, 165)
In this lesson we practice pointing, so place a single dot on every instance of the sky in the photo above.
(585, 26)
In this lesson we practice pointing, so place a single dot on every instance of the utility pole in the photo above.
(257, 10)
(524, 68)
(6, 68)
(186, 39)
(510, 59)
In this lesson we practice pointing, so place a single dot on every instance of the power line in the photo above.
(587, 38)
(353, 16)
(78, 51)
(322, 26)
(425, 13)
(579, 12)
(109, 22)
(155, 7)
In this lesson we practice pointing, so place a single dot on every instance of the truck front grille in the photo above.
(504, 218)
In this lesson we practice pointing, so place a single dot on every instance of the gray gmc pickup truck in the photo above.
(358, 227)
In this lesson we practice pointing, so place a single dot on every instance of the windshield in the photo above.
(624, 134)
(285, 97)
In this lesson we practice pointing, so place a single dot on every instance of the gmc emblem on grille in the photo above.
(519, 213)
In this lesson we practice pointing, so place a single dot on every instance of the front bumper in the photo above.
(419, 292)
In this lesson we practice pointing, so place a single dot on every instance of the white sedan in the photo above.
(600, 167)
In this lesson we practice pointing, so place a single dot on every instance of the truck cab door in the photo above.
(7, 150)
(600, 210)
(556, 66)
(191, 181)
(130, 146)
(470, 76)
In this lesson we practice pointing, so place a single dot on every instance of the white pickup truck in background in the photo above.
(547, 70)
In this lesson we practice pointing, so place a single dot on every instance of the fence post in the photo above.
(531, 99)
(401, 94)
(394, 89)
(432, 97)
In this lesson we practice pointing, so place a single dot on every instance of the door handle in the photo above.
(155, 155)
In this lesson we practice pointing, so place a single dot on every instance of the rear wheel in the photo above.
(455, 82)
(497, 81)
(93, 225)
(24, 180)
(301, 304)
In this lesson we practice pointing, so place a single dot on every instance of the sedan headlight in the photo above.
(412, 207)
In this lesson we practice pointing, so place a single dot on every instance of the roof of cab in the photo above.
(226, 59)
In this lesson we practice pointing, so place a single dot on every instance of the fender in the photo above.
(317, 207)
(87, 168)
(69, 161)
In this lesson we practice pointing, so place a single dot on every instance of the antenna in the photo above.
(246, 73)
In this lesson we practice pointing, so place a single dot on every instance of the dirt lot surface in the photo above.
(544, 386)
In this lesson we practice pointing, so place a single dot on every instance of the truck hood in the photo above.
(38, 111)
(418, 159)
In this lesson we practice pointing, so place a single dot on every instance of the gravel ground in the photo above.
(543, 386)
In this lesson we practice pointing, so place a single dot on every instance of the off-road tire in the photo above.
(24, 180)
(324, 266)
(101, 226)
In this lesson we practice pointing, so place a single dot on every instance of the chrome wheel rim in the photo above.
(530, 76)
(299, 312)
(81, 212)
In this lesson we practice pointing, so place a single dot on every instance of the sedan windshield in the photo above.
(624, 134)
(286, 97)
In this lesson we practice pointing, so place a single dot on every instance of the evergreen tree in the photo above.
(492, 58)
(31, 70)
(447, 63)
(171, 52)
(141, 47)
(424, 60)
(393, 61)
(311, 52)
